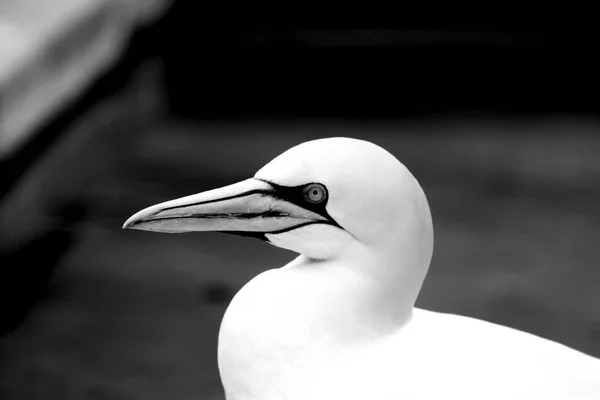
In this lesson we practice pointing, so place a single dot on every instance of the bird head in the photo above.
(324, 199)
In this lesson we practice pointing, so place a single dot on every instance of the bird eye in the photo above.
(315, 193)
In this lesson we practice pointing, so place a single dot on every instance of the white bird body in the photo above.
(275, 348)
(339, 322)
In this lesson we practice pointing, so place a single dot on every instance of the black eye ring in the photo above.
(315, 193)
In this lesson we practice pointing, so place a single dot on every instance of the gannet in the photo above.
(339, 321)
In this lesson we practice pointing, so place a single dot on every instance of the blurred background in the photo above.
(108, 106)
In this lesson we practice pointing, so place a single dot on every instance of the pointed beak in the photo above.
(248, 206)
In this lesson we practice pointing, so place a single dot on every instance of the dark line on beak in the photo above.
(262, 235)
(291, 228)
(249, 193)
(268, 214)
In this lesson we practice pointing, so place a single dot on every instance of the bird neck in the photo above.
(286, 321)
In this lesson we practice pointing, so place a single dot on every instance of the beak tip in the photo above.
(139, 219)
(130, 223)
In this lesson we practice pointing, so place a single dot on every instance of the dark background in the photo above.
(498, 123)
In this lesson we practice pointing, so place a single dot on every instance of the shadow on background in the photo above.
(497, 130)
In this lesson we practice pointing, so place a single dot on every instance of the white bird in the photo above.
(339, 322)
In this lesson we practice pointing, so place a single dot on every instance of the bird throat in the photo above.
(285, 321)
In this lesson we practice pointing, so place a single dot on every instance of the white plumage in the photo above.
(339, 322)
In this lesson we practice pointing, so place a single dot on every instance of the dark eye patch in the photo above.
(297, 195)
